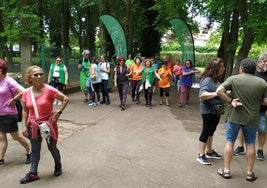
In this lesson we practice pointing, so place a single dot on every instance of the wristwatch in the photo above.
(59, 111)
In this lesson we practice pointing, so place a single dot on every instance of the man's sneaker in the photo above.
(2, 162)
(92, 104)
(260, 155)
(58, 170)
(28, 158)
(203, 160)
(29, 178)
(98, 104)
(239, 150)
(213, 155)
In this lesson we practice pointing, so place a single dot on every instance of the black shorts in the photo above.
(9, 123)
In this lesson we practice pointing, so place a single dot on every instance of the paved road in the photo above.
(104, 147)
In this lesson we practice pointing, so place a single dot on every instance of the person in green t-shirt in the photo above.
(248, 92)
(84, 67)
(129, 61)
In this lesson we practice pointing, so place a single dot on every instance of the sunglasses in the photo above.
(38, 74)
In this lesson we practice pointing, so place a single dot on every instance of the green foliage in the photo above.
(201, 59)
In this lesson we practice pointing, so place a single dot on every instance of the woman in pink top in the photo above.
(177, 72)
(44, 96)
(10, 91)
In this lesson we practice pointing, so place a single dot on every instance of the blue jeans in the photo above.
(104, 88)
(249, 132)
(262, 127)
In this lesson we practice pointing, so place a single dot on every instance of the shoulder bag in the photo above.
(43, 127)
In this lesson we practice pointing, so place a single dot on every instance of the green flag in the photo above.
(185, 39)
(117, 34)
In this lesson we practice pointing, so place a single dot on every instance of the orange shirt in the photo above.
(136, 72)
(165, 75)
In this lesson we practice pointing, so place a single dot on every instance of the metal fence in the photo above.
(45, 60)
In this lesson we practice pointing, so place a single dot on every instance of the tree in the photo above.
(238, 19)
(28, 30)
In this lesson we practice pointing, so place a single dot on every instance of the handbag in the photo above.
(218, 109)
(43, 127)
(18, 106)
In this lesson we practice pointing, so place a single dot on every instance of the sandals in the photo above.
(251, 177)
(227, 175)
(224, 174)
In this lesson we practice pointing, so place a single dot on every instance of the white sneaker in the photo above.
(55, 102)
(92, 104)
(59, 103)
(98, 104)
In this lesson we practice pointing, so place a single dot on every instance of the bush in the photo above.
(201, 59)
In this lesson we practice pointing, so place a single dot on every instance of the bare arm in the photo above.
(207, 95)
(264, 101)
(221, 92)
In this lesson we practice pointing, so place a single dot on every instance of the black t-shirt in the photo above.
(262, 75)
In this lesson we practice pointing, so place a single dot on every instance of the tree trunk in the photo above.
(65, 25)
(248, 35)
(3, 48)
(229, 41)
(25, 42)
(129, 26)
(90, 31)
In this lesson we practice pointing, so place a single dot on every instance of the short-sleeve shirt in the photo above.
(250, 90)
(262, 75)
(188, 79)
(104, 66)
(44, 101)
(208, 85)
(8, 89)
(136, 72)
(165, 75)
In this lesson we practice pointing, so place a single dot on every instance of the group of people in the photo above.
(247, 103)
(37, 102)
(94, 77)
(246, 96)
(137, 73)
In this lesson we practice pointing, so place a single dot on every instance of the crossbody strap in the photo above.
(34, 103)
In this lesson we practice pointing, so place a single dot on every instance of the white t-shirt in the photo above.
(56, 71)
(104, 66)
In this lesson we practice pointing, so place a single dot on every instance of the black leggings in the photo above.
(148, 94)
(210, 123)
(162, 90)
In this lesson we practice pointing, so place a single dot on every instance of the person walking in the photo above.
(105, 70)
(148, 76)
(58, 76)
(84, 67)
(177, 72)
(248, 92)
(136, 79)
(122, 73)
(10, 92)
(186, 82)
(209, 82)
(164, 82)
(96, 78)
(43, 95)
(262, 126)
